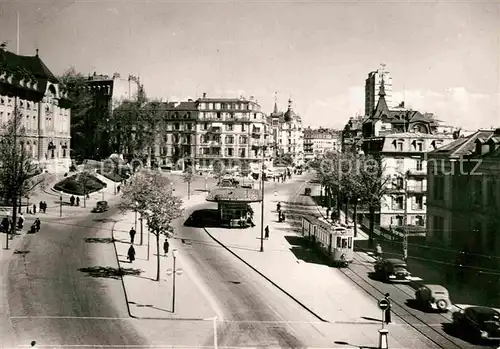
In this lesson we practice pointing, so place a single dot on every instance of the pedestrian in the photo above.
(388, 311)
(131, 253)
(44, 207)
(33, 344)
(282, 216)
(40, 206)
(37, 224)
(278, 206)
(5, 224)
(132, 235)
(166, 246)
(33, 228)
(378, 251)
(118, 189)
(77, 201)
(266, 232)
(72, 200)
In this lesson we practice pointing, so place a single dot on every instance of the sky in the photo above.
(443, 56)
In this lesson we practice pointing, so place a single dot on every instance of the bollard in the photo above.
(382, 339)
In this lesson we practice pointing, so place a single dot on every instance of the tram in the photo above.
(336, 241)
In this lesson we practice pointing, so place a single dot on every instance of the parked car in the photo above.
(481, 323)
(101, 206)
(394, 270)
(433, 297)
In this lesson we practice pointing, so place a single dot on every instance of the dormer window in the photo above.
(398, 145)
(418, 146)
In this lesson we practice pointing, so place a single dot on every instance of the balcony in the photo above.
(417, 189)
(215, 143)
(217, 155)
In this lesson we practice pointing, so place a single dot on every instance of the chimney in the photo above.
(204, 95)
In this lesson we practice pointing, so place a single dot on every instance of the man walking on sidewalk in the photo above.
(266, 233)
(132, 235)
(166, 246)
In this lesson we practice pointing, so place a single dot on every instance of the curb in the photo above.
(119, 268)
(268, 279)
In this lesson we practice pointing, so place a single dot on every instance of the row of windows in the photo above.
(225, 105)
(415, 145)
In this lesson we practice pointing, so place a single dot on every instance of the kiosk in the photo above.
(233, 204)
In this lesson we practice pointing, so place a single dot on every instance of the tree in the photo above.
(283, 160)
(85, 129)
(188, 177)
(219, 170)
(19, 174)
(152, 196)
(84, 178)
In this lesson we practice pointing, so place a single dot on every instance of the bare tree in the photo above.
(19, 174)
(188, 177)
(152, 196)
(219, 171)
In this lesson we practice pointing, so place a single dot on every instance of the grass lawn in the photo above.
(112, 176)
(75, 185)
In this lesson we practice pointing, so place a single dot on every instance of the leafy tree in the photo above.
(152, 196)
(84, 127)
(283, 160)
(19, 174)
(85, 178)
(219, 170)
(188, 177)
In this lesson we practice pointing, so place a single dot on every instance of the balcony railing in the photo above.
(417, 189)
(416, 172)
(209, 155)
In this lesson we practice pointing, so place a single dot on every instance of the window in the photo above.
(229, 139)
(339, 241)
(176, 126)
(205, 126)
(243, 127)
(230, 151)
(189, 127)
(229, 127)
(419, 166)
(419, 202)
(419, 220)
(242, 152)
(218, 115)
(397, 202)
(400, 164)
(399, 183)
(243, 140)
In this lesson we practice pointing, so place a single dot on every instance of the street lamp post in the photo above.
(136, 204)
(262, 204)
(148, 214)
(60, 206)
(174, 271)
(142, 229)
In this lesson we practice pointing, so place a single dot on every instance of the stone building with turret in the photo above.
(288, 133)
(28, 87)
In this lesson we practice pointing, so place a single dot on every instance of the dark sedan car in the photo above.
(478, 322)
(391, 269)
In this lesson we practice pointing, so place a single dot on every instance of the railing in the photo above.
(417, 189)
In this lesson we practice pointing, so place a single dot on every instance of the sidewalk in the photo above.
(429, 272)
(321, 289)
(146, 297)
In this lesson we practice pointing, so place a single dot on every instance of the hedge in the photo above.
(73, 185)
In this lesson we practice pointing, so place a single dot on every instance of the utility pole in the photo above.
(405, 219)
(17, 48)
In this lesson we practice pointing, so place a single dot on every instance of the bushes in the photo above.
(112, 176)
(75, 185)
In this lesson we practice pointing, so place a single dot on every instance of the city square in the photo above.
(249, 175)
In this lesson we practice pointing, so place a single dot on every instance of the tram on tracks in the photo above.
(336, 241)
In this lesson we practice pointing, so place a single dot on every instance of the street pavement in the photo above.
(323, 292)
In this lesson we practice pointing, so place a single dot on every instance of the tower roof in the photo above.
(290, 114)
(32, 64)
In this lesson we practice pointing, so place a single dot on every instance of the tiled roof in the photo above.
(414, 135)
(181, 106)
(32, 64)
(464, 146)
(234, 194)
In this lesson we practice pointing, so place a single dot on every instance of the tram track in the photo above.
(304, 205)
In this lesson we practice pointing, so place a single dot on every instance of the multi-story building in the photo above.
(464, 195)
(319, 141)
(372, 86)
(233, 131)
(287, 133)
(400, 138)
(108, 94)
(28, 87)
(352, 135)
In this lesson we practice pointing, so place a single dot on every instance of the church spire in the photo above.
(275, 111)
(381, 92)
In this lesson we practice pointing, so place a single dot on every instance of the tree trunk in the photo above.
(371, 216)
(189, 190)
(355, 218)
(157, 256)
(347, 211)
(338, 205)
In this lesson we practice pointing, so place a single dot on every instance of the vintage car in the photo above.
(394, 270)
(101, 206)
(307, 191)
(480, 323)
(433, 297)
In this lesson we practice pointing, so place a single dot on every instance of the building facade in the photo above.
(231, 131)
(464, 201)
(372, 87)
(287, 133)
(319, 141)
(108, 94)
(400, 138)
(29, 88)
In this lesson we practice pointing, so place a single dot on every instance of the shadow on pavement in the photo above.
(105, 220)
(371, 319)
(454, 331)
(303, 250)
(354, 345)
(109, 272)
(98, 240)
